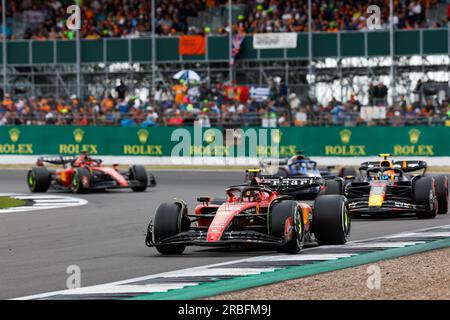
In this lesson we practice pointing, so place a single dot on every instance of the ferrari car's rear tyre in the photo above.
(331, 220)
(80, 178)
(278, 214)
(425, 195)
(38, 179)
(333, 187)
(169, 221)
(347, 171)
(138, 173)
(442, 193)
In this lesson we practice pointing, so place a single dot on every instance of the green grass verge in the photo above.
(8, 202)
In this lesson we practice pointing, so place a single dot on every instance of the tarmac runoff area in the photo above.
(424, 276)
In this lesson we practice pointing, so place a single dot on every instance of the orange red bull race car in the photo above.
(387, 187)
(83, 173)
(251, 214)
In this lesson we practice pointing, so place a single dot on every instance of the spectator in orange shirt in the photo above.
(44, 106)
(107, 103)
(179, 91)
(7, 102)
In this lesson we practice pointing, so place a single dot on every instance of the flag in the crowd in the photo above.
(237, 93)
(236, 47)
(192, 45)
(259, 93)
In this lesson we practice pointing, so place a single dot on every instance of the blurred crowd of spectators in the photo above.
(334, 15)
(213, 105)
(46, 19)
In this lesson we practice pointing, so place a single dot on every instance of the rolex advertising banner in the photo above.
(194, 141)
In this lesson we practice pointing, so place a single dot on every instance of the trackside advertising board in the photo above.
(190, 141)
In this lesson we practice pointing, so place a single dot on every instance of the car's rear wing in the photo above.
(287, 184)
(411, 165)
(369, 165)
(404, 165)
(57, 160)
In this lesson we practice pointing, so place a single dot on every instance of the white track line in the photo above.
(43, 202)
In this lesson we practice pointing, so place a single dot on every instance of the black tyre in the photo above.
(138, 173)
(442, 193)
(169, 222)
(278, 214)
(331, 220)
(332, 187)
(81, 180)
(38, 179)
(425, 195)
(348, 171)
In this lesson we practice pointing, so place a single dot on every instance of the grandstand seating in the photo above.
(122, 18)
(43, 20)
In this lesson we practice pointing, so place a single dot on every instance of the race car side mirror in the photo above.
(204, 199)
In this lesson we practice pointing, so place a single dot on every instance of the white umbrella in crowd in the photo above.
(187, 75)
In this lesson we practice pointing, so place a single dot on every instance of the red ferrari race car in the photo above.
(251, 214)
(83, 173)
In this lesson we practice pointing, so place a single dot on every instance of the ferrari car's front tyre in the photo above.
(138, 173)
(425, 195)
(442, 193)
(79, 178)
(169, 222)
(279, 213)
(38, 179)
(331, 220)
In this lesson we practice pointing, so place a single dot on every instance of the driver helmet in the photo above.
(251, 196)
(385, 175)
(390, 174)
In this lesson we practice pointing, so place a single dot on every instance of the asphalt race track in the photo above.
(105, 238)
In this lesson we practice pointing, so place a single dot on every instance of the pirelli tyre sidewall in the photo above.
(331, 220)
(38, 179)
(169, 221)
(424, 192)
(442, 193)
(138, 173)
(81, 180)
(278, 213)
